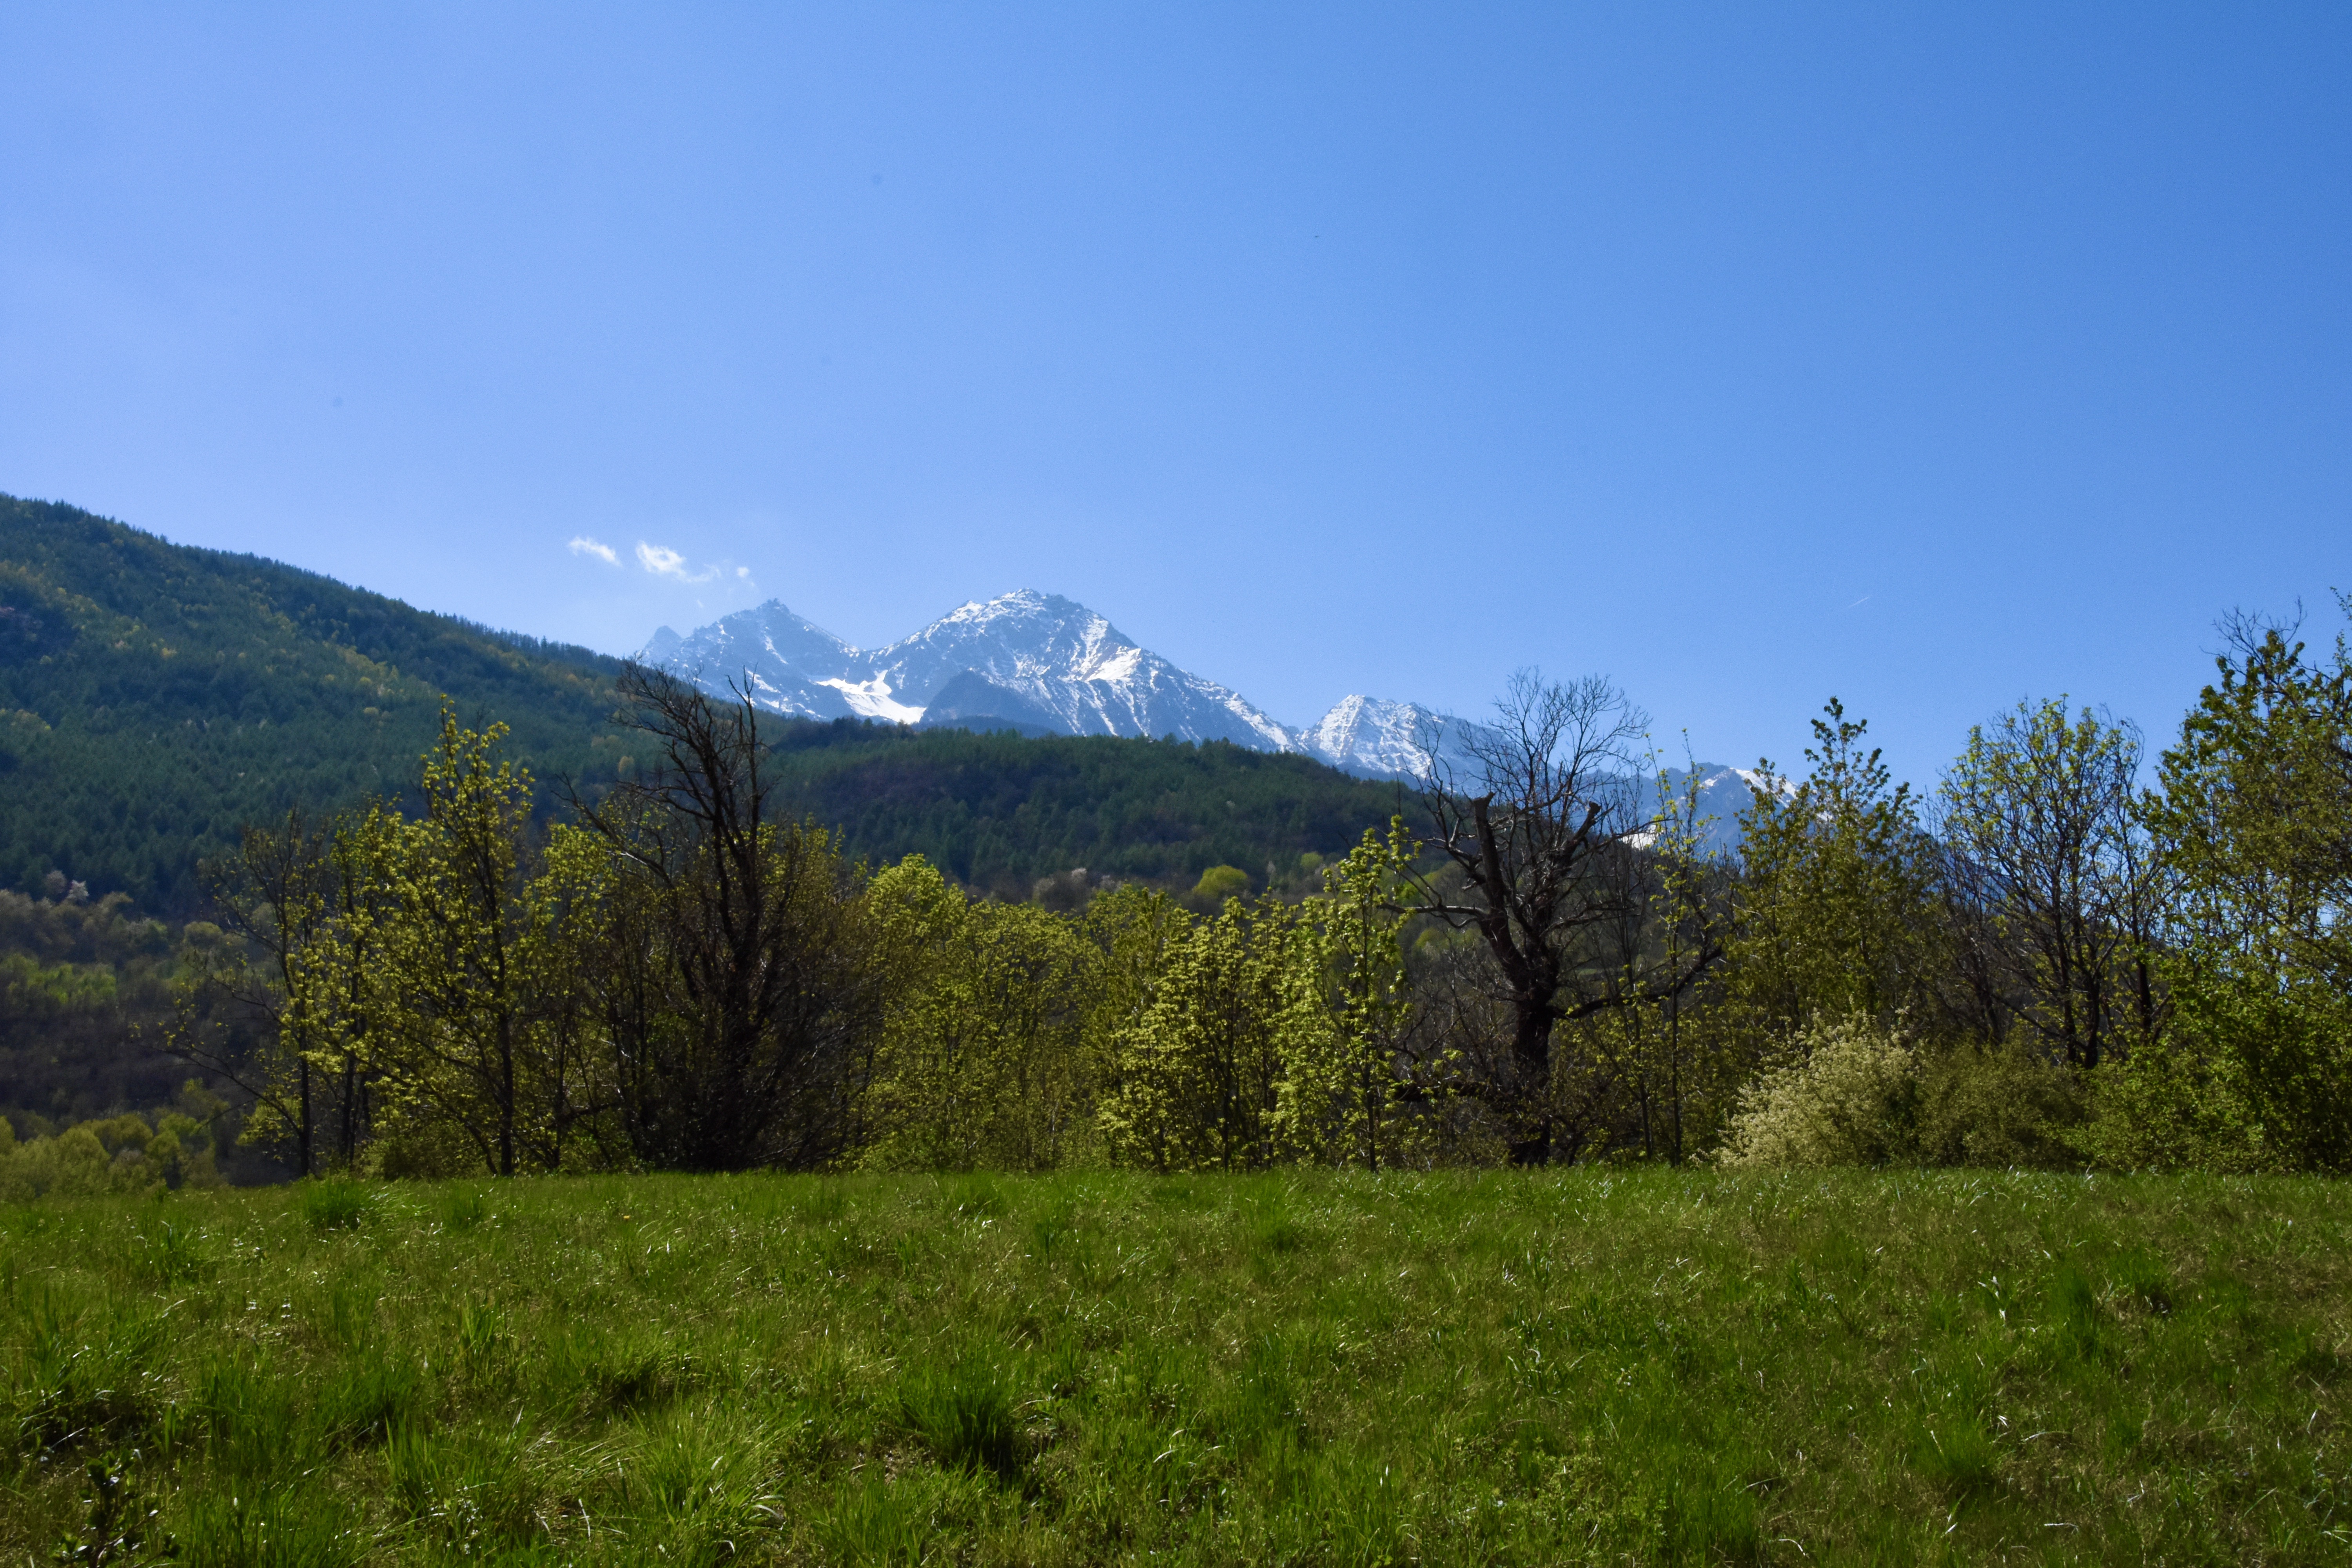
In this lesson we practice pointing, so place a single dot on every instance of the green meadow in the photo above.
(1579, 1367)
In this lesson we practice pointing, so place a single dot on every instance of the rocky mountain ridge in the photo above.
(1029, 661)
(1040, 664)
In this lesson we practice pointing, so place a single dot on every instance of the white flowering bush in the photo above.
(1851, 1098)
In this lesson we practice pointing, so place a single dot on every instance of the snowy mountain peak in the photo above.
(1040, 664)
(1031, 660)
(1371, 735)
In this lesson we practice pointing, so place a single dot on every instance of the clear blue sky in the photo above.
(1931, 357)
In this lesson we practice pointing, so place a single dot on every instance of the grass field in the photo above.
(1499, 1368)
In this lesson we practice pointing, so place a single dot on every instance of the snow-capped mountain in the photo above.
(1367, 735)
(1384, 740)
(1042, 664)
(1723, 793)
(1031, 660)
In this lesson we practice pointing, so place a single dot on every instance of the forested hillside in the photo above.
(154, 698)
(998, 811)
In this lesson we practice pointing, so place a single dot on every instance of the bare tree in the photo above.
(741, 992)
(272, 891)
(1540, 817)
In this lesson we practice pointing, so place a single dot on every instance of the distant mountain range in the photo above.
(1043, 665)
(1037, 663)
(155, 698)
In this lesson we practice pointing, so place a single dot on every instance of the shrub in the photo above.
(2001, 1106)
(2173, 1108)
(1862, 1095)
(1217, 884)
(72, 1164)
(1851, 1099)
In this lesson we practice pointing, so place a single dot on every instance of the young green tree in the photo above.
(346, 977)
(246, 1007)
(1196, 1080)
(1350, 1082)
(2253, 816)
(1833, 914)
(454, 1033)
(984, 1058)
(571, 909)
(2042, 846)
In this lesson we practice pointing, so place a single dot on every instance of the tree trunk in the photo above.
(1531, 1059)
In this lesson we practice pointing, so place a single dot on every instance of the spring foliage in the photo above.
(681, 973)
(678, 979)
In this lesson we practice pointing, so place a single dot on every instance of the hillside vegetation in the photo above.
(1509, 1368)
(154, 698)
(998, 811)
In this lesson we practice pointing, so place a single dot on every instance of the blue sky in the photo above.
(1931, 357)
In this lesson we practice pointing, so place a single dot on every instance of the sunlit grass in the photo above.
(1087, 1368)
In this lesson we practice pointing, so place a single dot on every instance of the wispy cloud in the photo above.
(583, 545)
(663, 561)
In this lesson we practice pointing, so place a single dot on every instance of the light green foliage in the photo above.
(74, 1164)
(1585, 1367)
(2006, 1107)
(30, 989)
(422, 994)
(1130, 930)
(1217, 884)
(1195, 1077)
(2054, 884)
(1833, 916)
(457, 1058)
(1345, 1036)
(1861, 1094)
(984, 1058)
(120, 1153)
(2254, 818)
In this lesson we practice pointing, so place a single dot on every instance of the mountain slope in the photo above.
(1064, 666)
(997, 811)
(154, 697)
(1031, 662)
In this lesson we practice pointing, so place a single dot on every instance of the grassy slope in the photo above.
(1087, 1368)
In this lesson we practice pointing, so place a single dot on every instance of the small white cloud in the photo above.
(663, 561)
(583, 545)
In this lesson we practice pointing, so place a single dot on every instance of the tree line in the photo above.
(2043, 961)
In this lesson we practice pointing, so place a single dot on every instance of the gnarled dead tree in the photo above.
(1541, 816)
(742, 990)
